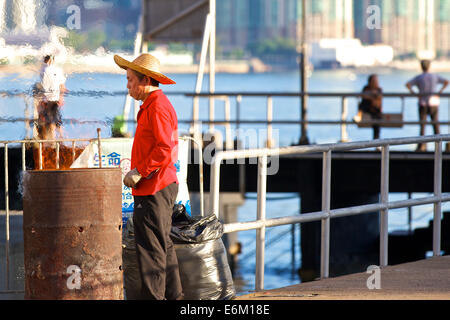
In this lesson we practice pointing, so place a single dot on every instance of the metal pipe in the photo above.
(198, 85)
(40, 155)
(335, 213)
(7, 214)
(437, 193)
(336, 122)
(229, 143)
(23, 157)
(238, 113)
(384, 200)
(291, 150)
(215, 183)
(308, 94)
(325, 228)
(212, 59)
(293, 258)
(57, 155)
(303, 79)
(344, 112)
(269, 142)
(409, 215)
(200, 151)
(73, 151)
(99, 148)
(261, 215)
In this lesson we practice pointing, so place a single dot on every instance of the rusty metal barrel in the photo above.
(72, 234)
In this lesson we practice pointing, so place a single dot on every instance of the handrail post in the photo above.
(344, 112)
(40, 155)
(325, 232)
(7, 214)
(261, 215)
(214, 184)
(437, 193)
(238, 115)
(229, 143)
(384, 195)
(23, 157)
(269, 142)
(57, 155)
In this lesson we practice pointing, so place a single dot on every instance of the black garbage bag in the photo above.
(131, 275)
(196, 230)
(202, 259)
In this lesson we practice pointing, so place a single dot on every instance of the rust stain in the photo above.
(60, 231)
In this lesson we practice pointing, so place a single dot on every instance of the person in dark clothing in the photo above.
(371, 102)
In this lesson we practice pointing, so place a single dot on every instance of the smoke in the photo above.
(23, 181)
(55, 46)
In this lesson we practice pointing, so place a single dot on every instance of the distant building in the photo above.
(241, 23)
(117, 18)
(410, 27)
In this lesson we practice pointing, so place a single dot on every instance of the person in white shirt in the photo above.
(428, 104)
(52, 87)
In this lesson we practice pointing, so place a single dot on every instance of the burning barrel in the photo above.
(72, 234)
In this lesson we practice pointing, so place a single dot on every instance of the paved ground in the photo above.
(421, 280)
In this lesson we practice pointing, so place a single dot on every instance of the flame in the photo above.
(67, 156)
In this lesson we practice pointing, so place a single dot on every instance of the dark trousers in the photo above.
(423, 112)
(376, 114)
(433, 112)
(157, 260)
(376, 127)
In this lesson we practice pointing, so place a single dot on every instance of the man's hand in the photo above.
(409, 86)
(444, 85)
(132, 178)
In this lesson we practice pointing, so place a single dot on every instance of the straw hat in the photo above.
(145, 64)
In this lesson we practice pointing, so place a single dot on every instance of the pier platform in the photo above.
(427, 279)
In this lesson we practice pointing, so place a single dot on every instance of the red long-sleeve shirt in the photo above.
(155, 144)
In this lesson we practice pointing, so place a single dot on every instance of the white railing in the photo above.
(327, 213)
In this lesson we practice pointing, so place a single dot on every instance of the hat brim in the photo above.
(125, 64)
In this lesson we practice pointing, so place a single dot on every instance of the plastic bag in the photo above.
(195, 229)
(204, 271)
(202, 258)
(131, 276)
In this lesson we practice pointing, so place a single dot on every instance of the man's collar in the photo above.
(149, 98)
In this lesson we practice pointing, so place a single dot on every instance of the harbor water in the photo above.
(96, 98)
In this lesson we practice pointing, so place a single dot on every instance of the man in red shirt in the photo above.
(153, 178)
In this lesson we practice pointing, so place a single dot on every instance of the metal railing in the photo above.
(327, 213)
(343, 121)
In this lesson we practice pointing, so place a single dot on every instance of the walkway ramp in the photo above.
(427, 279)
